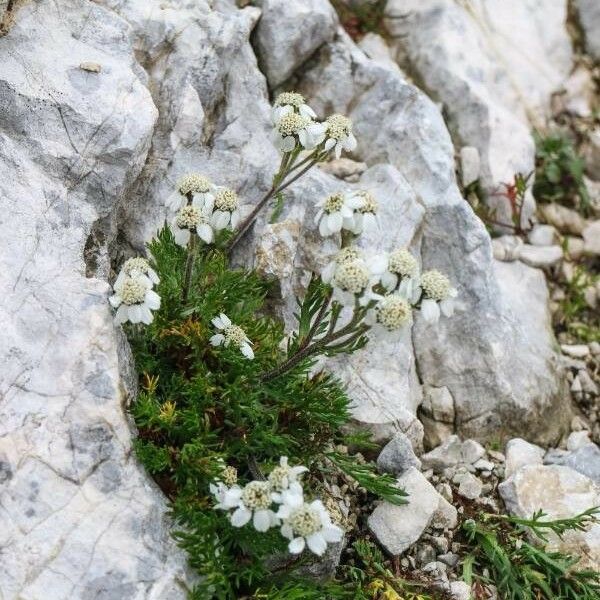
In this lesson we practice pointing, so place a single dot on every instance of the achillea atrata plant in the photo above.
(240, 431)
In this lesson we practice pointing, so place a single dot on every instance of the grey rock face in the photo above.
(289, 32)
(397, 456)
(398, 527)
(584, 460)
(79, 518)
(589, 18)
(560, 492)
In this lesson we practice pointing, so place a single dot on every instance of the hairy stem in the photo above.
(189, 269)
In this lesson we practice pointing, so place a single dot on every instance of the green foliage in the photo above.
(559, 173)
(575, 315)
(201, 407)
(502, 555)
(359, 17)
(374, 580)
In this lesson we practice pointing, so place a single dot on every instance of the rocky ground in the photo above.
(105, 103)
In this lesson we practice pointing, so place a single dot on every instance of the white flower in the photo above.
(294, 101)
(226, 209)
(389, 316)
(344, 255)
(309, 525)
(336, 212)
(292, 128)
(188, 220)
(138, 268)
(200, 187)
(134, 300)
(285, 483)
(252, 502)
(351, 280)
(231, 334)
(438, 296)
(394, 266)
(365, 214)
(338, 135)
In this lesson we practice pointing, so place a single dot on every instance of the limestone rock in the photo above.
(507, 247)
(591, 238)
(494, 66)
(566, 220)
(584, 460)
(589, 18)
(542, 257)
(470, 165)
(560, 492)
(520, 453)
(289, 32)
(398, 527)
(469, 486)
(397, 456)
(80, 518)
(543, 235)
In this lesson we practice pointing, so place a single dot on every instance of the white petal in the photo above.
(302, 136)
(225, 319)
(430, 310)
(262, 520)
(205, 233)
(296, 546)
(332, 533)
(154, 278)
(240, 517)
(307, 111)
(246, 350)
(152, 300)
(182, 236)
(350, 143)
(316, 542)
(147, 317)
(175, 201)
(329, 144)
(447, 307)
(217, 339)
(236, 216)
(283, 513)
(324, 227)
(328, 272)
(135, 313)
(115, 301)
(338, 150)
(389, 280)
(287, 532)
(122, 315)
(335, 222)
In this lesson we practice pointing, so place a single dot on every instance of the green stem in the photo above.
(275, 189)
(189, 268)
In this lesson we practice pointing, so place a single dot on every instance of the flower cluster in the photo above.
(133, 295)
(350, 211)
(296, 127)
(391, 286)
(278, 502)
(202, 209)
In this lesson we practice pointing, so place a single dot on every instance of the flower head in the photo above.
(191, 219)
(399, 265)
(352, 280)
(366, 212)
(254, 503)
(230, 334)
(134, 300)
(309, 525)
(194, 184)
(390, 315)
(229, 475)
(292, 128)
(438, 295)
(226, 209)
(338, 135)
(337, 212)
(291, 101)
(140, 268)
(349, 253)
